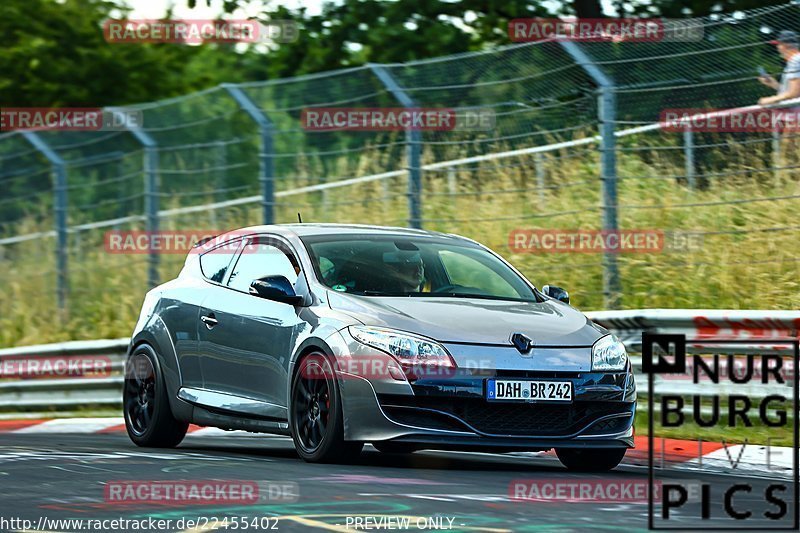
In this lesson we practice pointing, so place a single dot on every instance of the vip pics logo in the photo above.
(756, 406)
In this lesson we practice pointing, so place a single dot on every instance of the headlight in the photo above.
(609, 354)
(406, 348)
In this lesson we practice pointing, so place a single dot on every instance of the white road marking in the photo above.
(71, 425)
(426, 497)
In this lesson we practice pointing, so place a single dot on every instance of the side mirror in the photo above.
(275, 288)
(556, 292)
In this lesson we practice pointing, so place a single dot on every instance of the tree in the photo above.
(353, 32)
(53, 54)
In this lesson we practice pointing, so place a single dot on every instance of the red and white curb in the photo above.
(685, 454)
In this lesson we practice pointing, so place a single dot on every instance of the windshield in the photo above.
(403, 266)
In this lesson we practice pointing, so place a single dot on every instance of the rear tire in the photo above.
(145, 403)
(316, 417)
(591, 459)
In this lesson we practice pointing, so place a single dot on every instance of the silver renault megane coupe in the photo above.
(340, 335)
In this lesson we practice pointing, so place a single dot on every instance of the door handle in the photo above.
(209, 320)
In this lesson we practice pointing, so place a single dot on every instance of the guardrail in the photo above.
(702, 323)
(65, 393)
(760, 327)
(106, 391)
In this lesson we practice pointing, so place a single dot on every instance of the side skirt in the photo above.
(229, 412)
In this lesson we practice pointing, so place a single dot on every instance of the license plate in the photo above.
(526, 390)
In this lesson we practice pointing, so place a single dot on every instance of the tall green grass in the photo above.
(744, 263)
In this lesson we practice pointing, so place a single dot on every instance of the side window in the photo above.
(214, 263)
(260, 257)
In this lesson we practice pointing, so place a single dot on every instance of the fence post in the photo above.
(60, 212)
(776, 151)
(539, 162)
(413, 147)
(220, 163)
(265, 160)
(151, 190)
(123, 194)
(688, 150)
(452, 186)
(607, 100)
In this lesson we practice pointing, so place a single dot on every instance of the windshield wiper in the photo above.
(478, 296)
(441, 295)
(389, 294)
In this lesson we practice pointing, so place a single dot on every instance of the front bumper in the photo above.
(451, 412)
(446, 420)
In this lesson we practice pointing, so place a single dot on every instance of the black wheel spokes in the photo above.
(324, 407)
(313, 383)
(312, 408)
(147, 415)
(316, 433)
(304, 392)
(140, 393)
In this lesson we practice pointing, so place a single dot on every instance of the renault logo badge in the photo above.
(522, 342)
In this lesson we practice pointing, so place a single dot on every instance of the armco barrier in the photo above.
(74, 393)
(67, 393)
(699, 324)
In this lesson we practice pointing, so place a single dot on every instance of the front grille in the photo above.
(610, 425)
(422, 418)
(518, 418)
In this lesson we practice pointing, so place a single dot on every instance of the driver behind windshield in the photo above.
(406, 270)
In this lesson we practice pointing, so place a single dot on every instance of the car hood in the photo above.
(473, 321)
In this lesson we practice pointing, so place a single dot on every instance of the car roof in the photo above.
(319, 229)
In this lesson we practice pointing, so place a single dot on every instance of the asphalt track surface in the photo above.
(63, 476)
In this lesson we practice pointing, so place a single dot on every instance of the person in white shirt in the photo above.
(788, 88)
(788, 45)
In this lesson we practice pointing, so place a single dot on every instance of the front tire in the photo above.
(145, 403)
(591, 460)
(316, 416)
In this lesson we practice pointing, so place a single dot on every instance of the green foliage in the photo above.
(54, 54)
